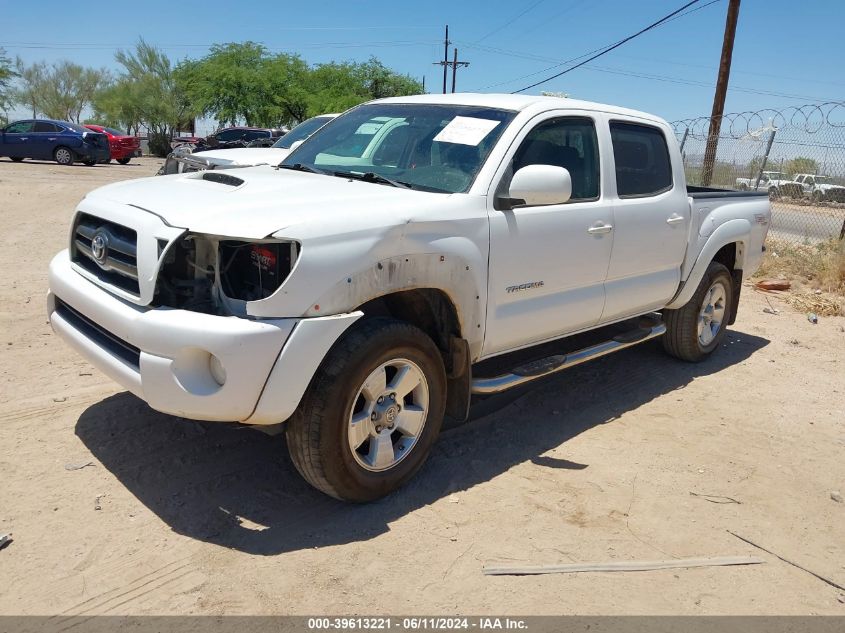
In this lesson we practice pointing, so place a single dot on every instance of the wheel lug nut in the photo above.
(373, 417)
(380, 399)
(393, 396)
(378, 428)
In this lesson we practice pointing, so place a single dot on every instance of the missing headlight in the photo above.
(252, 271)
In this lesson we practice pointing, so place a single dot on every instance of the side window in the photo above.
(568, 142)
(229, 135)
(642, 160)
(21, 127)
(44, 126)
(810, 181)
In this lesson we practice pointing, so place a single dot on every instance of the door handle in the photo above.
(52, 138)
(24, 138)
(598, 229)
(674, 219)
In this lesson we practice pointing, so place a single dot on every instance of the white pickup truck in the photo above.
(412, 254)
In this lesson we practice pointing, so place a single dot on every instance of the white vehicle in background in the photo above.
(820, 188)
(415, 253)
(776, 183)
(184, 159)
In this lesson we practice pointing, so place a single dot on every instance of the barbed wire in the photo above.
(809, 118)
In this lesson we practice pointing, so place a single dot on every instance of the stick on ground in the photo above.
(630, 565)
(812, 573)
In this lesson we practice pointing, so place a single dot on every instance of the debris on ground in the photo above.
(789, 562)
(97, 505)
(812, 318)
(62, 399)
(632, 565)
(78, 465)
(771, 311)
(773, 284)
(5, 539)
(836, 496)
(715, 498)
(822, 305)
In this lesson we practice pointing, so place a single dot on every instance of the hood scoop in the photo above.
(223, 179)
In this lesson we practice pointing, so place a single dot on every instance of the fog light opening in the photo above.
(218, 372)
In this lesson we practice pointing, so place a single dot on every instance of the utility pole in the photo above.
(446, 43)
(455, 65)
(721, 92)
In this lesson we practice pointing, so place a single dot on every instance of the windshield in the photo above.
(430, 147)
(76, 127)
(302, 131)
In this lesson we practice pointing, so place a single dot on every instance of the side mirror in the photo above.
(540, 184)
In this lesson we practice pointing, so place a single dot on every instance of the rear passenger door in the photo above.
(44, 139)
(652, 220)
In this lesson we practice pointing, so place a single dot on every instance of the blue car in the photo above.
(60, 141)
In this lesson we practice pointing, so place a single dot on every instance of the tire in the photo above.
(696, 329)
(774, 193)
(16, 159)
(123, 161)
(63, 156)
(89, 163)
(321, 434)
(817, 197)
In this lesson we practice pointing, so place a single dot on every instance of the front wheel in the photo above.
(696, 329)
(123, 161)
(89, 162)
(372, 412)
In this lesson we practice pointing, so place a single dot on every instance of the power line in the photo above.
(511, 20)
(614, 46)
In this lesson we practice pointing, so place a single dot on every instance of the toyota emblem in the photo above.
(100, 247)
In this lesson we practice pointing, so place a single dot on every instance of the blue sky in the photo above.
(786, 53)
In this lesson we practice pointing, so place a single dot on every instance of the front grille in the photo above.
(127, 352)
(116, 246)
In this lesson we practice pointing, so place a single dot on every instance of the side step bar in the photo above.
(553, 364)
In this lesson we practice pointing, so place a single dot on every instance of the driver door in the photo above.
(548, 263)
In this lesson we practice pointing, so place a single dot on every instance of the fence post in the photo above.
(765, 158)
(684, 139)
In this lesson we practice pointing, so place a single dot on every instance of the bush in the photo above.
(159, 144)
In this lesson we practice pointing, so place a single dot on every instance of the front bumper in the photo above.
(164, 355)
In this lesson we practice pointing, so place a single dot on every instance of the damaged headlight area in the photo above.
(220, 275)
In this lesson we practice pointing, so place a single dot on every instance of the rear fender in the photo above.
(738, 231)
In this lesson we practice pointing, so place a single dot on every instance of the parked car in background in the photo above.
(122, 146)
(776, 183)
(820, 188)
(60, 141)
(183, 159)
(232, 137)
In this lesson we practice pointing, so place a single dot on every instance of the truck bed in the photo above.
(699, 193)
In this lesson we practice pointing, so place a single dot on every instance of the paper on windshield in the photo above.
(466, 130)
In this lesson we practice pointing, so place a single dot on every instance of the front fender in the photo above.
(738, 230)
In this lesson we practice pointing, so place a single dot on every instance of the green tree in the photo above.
(59, 91)
(242, 83)
(7, 73)
(150, 92)
(801, 165)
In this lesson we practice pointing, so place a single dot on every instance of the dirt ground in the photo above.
(172, 516)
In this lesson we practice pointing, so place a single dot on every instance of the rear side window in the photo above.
(642, 160)
(44, 126)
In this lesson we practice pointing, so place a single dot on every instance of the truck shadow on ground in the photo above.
(236, 487)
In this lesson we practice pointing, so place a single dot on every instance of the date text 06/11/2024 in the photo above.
(416, 623)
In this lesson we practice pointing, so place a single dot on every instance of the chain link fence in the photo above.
(796, 154)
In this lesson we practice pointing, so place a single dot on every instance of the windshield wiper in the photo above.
(301, 167)
(373, 177)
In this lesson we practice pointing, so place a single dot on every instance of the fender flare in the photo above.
(737, 230)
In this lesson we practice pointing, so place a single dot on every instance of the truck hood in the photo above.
(263, 200)
(245, 156)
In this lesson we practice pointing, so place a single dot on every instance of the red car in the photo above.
(122, 146)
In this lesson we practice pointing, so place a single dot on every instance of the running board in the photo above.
(553, 364)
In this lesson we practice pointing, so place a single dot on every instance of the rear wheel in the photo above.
(89, 162)
(17, 159)
(696, 329)
(63, 156)
(372, 412)
(123, 161)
